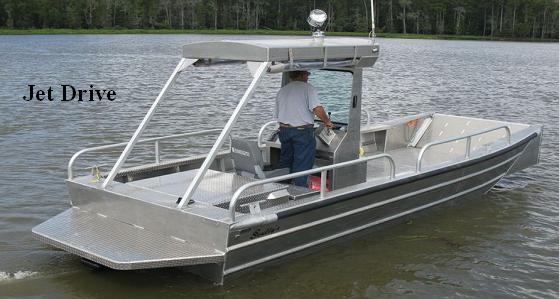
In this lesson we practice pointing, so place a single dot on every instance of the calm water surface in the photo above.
(504, 244)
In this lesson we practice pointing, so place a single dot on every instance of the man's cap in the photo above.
(295, 74)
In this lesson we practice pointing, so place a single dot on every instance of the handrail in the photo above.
(115, 145)
(322, 170)
(468, 143)
(261, 132)
(368, 117)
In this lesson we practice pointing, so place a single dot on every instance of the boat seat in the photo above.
(248, 161)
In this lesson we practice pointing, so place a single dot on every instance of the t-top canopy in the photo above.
(283, 50)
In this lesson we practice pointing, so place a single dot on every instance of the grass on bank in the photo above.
(5, 31)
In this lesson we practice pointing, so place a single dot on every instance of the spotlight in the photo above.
(316, 19)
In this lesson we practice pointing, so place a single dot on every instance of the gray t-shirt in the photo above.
(295, 103)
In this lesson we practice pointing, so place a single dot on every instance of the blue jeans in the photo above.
(298, 147)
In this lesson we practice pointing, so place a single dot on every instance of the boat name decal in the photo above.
(260, 232)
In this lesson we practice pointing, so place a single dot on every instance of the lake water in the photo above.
(504, 244)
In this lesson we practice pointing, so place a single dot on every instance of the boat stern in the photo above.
(119, 245)
(128, 228)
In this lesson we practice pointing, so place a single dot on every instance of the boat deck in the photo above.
(216, 188)
(405, 160)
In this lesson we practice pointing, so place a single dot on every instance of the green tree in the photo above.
(404, 4)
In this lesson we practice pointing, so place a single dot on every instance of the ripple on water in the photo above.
(6, 277)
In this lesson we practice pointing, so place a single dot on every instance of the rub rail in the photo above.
(323, 171)
(116, 145)
(468, 143)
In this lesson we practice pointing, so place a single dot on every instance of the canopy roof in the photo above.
(283, 49)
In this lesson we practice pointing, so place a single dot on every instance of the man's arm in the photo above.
(321, 113)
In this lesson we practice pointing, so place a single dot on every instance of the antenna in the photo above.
(372, 34)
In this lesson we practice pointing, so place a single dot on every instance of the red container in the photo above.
(314, 183)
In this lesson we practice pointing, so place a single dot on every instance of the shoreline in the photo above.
(4, 31)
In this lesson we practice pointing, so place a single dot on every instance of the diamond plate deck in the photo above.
(216, 187)
(119, 245)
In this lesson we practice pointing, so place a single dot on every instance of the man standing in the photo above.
(296, 105)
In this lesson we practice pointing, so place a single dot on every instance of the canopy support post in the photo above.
(373, 33)
(124, 155)
(221, 139)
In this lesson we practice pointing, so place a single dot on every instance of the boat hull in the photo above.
(354, 212)
(144, 235)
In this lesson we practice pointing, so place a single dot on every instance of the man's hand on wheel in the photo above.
(319, 111)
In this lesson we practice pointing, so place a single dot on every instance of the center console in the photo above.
(342, 147)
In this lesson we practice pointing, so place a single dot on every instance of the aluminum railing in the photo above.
(323, 173)
(368, 117)
(261, 132)
(116, 145)
(468, 143)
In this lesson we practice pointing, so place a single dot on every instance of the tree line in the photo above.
(536, 19)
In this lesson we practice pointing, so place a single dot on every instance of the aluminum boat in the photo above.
(232, 209)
